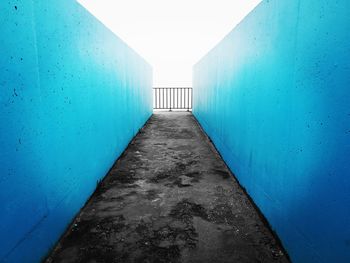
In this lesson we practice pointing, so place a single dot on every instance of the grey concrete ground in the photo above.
(169, 198)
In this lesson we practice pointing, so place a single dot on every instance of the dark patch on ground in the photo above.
(174, 176)
(224, 174)
(169, 198)
(186, 210)
(164, 244)
(195, 176)
(179, 182)
(151, 194)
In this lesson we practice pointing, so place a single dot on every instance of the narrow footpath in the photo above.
(169, 198)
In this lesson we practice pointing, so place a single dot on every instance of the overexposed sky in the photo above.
(171, 35)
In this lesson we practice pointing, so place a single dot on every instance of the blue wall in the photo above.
(274, 96)
(72, 96)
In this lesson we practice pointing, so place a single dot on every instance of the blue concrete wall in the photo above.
(274, 96)
(72, 96)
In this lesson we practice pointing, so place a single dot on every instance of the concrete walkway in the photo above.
(169, 198)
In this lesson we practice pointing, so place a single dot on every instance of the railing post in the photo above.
(170, 99)
(188, 99)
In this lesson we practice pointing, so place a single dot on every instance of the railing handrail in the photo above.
(171, 87)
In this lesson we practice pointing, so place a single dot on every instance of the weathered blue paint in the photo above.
(72, 96)
(274, 97)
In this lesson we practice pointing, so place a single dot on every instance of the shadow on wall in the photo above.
(72, 96)
(274, 98)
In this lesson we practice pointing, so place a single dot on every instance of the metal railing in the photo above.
(172, 98)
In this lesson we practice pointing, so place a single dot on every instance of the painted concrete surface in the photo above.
(71, 93)
(274, 98)
(169, 198)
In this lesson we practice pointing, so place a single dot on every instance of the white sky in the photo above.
(171, 35)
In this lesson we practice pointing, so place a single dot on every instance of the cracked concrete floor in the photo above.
(169, 198)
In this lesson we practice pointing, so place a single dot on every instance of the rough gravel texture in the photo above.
(169, 198)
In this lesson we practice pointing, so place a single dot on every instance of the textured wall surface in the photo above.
(72, 96)
(274, 97)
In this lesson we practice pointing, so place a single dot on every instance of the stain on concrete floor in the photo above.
(169, 198)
